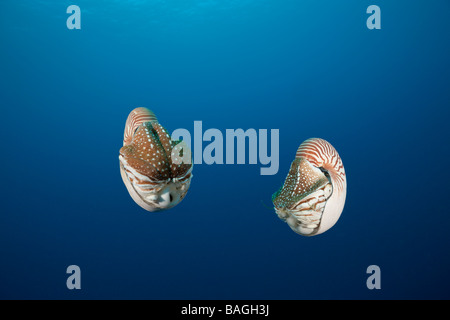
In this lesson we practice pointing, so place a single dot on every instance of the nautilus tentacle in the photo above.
(313, 195)
(155, 169)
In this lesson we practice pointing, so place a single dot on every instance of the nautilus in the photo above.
(156, 170)
(312, 197)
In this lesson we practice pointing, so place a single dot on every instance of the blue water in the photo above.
(308, 68)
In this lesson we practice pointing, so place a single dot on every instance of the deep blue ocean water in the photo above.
(308, 68)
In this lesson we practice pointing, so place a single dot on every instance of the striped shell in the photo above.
(155, 169)
(313, 195)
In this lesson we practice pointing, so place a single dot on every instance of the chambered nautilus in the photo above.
(156, 170)
(313, 195)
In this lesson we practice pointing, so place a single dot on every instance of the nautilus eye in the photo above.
(156, 170)
(313, 195)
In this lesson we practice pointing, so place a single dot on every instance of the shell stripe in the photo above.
(323, 155)
(136, 117)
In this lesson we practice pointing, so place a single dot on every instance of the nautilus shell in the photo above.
(313, 195)
(156, 170)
